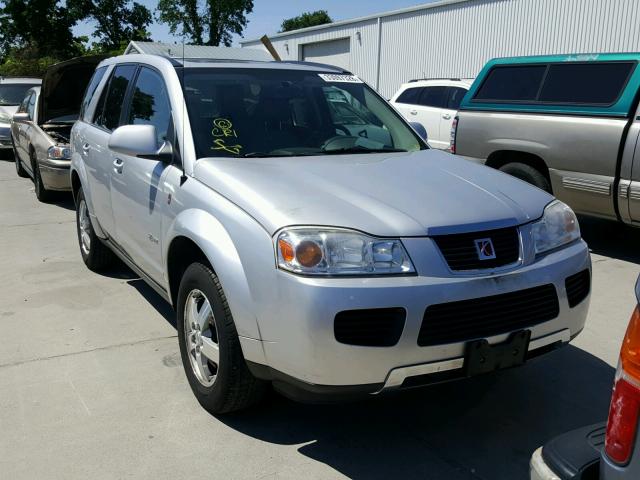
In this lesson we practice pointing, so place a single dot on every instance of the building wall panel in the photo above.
(456, 38)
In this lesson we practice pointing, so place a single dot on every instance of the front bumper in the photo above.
(55, 174)
(300, 346)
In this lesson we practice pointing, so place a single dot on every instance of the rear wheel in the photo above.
(209, 345)
(95, 255)
(42, 193)
(19, 168)
(527, 173)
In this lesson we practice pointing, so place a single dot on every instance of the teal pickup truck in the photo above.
(568, 124)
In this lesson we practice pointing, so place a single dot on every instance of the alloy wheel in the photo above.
(201, 338)
(85, 227)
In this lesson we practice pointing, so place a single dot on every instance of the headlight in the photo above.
(59, 152)
(557, 227)
(318, 251)
(4, 118)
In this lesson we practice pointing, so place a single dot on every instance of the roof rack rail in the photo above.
(316, 64)
(435, 78)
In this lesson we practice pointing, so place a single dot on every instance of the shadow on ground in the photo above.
(483, 428)
(611, 239)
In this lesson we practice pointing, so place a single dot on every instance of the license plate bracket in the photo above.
(482, 357)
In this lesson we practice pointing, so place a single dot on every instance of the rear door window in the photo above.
(519, 83)
(91, 90)
(433, 97)
(110, 108)
(596, 83)
(455, 96)
(150, 103)
(410, 96)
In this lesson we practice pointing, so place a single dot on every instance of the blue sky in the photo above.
(268, 14)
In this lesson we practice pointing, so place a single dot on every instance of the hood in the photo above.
(397, 194)
(63, 88)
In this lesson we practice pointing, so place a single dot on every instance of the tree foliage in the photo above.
(217, 20)
(118, 22)
(41, 26)
(307, 19)
(37, 33)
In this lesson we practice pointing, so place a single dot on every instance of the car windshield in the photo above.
(276, 112)
(13, 93)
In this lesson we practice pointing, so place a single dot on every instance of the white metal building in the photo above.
(454, 38)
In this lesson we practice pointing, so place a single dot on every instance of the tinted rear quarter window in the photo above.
(456, 95)
(91, 90)
(110, 107)
(433, 97)
(409, 96)
(588, 83)
(512, 83)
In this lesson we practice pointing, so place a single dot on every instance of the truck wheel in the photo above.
(528, 174)
(211, 354)
(19, 168)
(42, 193)
(95, 255)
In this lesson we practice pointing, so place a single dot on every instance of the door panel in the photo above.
(98, 158)
(138, 198)
(633, 192)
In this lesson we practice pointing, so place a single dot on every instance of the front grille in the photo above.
(578, 287)
(460, 250)
(376, 327)
(488, 316)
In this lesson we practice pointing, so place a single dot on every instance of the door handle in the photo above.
(85, 148)
(413, 112)
(118, 165)
(446, 116)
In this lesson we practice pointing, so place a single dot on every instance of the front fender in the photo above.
(213, 239)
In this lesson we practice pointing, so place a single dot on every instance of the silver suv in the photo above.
(308, 237)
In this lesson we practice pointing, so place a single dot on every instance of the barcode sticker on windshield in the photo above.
(332, 77)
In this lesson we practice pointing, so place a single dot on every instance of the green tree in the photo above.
(117, 23)
(307, 19)
(42, 28)
(219, 20)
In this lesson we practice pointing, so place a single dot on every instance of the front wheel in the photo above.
(19, 168)
(42, 193)
(527, 173)
(209, 345)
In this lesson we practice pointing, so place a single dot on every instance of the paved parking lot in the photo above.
(91, 384)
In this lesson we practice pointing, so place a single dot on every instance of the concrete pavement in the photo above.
(91, 384)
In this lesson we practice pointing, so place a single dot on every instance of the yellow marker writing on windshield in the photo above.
(220, 145)
(223, 128)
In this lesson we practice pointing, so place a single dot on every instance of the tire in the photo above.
(19, 168)
(42, 193)
(95, 255)
(528, 174)
(205, 331)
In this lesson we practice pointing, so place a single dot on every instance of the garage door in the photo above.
(335, 52)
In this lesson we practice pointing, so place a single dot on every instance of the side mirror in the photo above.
(21, 117)
(140, 141)
(420, 130)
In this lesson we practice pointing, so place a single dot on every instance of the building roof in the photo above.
(417, 8)
(179, 51)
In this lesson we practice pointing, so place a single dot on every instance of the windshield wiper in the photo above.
(359, 149)
(261, 155)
